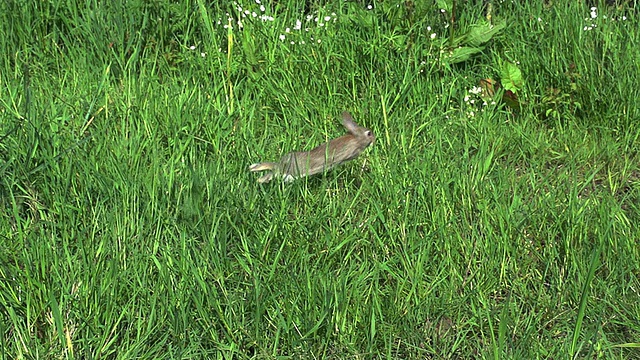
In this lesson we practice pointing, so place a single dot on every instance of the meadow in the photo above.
(495, 216)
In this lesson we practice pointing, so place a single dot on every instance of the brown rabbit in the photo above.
(299, 164)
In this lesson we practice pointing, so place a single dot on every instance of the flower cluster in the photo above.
(477, 95)
(593, 16)
(320, 21)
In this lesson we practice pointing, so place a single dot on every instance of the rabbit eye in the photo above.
(369, 133)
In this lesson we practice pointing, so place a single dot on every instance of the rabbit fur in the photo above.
(299, 164)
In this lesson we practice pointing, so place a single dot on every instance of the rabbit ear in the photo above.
(348, 123)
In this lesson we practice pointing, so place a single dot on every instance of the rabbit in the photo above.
(299, 164)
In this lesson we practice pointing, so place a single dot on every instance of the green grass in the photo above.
(131, 228)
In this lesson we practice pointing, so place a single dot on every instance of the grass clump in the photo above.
(495, 215)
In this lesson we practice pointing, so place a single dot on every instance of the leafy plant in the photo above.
(560, 101)
(511, 76)
(472, 42)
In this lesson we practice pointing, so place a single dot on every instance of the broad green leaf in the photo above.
(461, 54)
(511, 77)
(445, 4)
(481, 33)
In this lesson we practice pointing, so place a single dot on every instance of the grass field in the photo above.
(484, 222)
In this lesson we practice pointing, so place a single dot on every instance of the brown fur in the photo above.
(324, 157)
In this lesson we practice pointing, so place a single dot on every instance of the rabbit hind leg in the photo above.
(265, 178)
(262, 166)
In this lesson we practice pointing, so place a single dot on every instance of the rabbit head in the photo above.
(359, 140)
